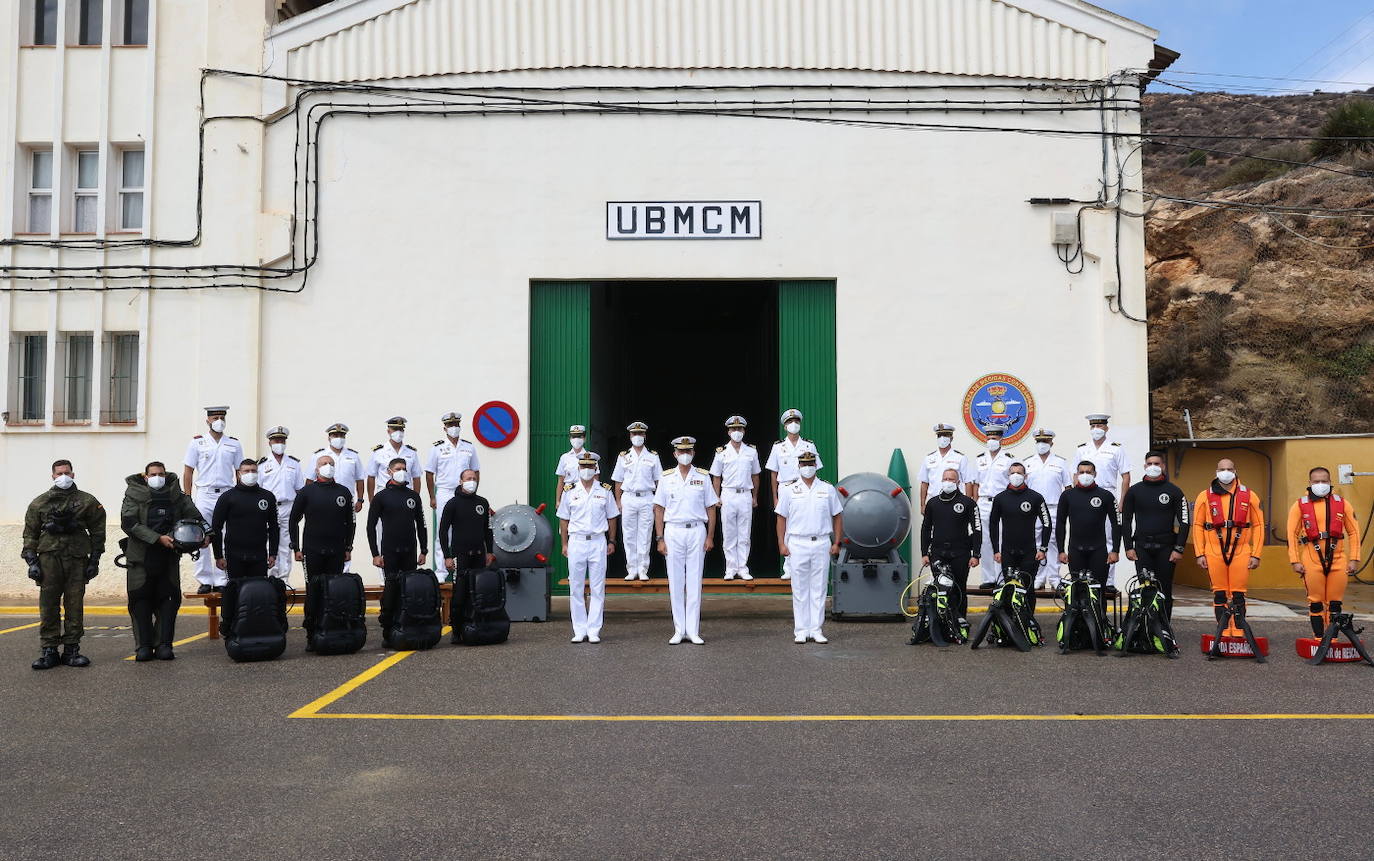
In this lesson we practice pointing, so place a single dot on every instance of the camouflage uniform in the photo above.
(66, 529)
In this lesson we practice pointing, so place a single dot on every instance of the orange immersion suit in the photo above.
(1228, 529)
(1324, 537)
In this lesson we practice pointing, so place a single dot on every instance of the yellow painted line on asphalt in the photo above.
(955, 718)
(312, 709)
(202, 635)
(20, 628)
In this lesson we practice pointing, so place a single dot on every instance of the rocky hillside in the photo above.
(1260, 324)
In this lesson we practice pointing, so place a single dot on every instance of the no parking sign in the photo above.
(495, 424)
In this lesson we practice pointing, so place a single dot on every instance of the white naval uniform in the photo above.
(782, 459)
(992, 478)
(216, 466)
(284, 478)
(810, 513)
(1048, 476)
(637, 474)
(447, 459)
(1111, 461)
(567, 466)
(684, 500)
(735, 466)
(933, 468)
(588, 511)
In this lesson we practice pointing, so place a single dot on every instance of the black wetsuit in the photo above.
(401, 513)
(249, 515)
(1012, 522)
(1087, 512)
(327, 508)
(952, 532)
(1154, 523)
(465, 530)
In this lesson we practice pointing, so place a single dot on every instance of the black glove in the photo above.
(92, 567)
(35, 573)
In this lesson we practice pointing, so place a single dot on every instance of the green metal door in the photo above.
(560, 387)
(806, 364)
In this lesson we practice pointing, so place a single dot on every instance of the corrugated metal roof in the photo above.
(962, 37)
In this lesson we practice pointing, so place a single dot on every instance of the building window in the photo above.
(28, 377)
(131, 189)
(135, 22)
(88, 24)
(87, 194)
(40, 191)
(44, 22)
(75, 357)
(120, 357)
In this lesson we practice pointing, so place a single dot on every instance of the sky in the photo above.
(1316, 40)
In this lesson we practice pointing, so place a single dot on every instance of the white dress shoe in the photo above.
(745, 575)
(819, 637)
(644, 575)
(799, 639)
(729, 575)
(786, 576)
(593, 638)
(675, 639)
(697, 641)
(632, 575)
(577, 638)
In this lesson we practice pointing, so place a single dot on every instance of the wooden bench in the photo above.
(709, 586)
(294, 597)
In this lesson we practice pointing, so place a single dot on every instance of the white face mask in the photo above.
(249, 478)
(326, 470)
(453, 432)
(994, 444)
(637, 441)
(336, 443)
(684, 459)
(807, 471)
(576, 442)
(1016, 479)
(217, 425)
(1225, 476)
(1321, 488)
(469, 486)
(792, 427)
(736, 436)
(1153, 470)
(63, 481)
(1098, 433)
(1086, 478)
(399, 476)
(943, 441)
(279, 448)
(397, 436)
(157, 482)
(1042, 448)
(586, 474)
(948, 487)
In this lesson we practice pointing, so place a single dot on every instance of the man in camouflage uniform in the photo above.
(64, 536)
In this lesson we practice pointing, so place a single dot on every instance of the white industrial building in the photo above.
(595, 211)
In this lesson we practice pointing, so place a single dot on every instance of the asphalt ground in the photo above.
(747, 747)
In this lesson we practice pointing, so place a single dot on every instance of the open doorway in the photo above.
(682, 356)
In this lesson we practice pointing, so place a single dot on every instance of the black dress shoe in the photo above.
(164, 652)
(205, 589)
(143, 654)
(217, 589)
(48, 659)
(72, 657)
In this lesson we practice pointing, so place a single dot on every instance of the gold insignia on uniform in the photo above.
(605, 485)
(567, 485)
(377, 447)
(720, 448)
(669, 471)
(700, 470)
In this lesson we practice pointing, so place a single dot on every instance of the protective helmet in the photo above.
(188, 536)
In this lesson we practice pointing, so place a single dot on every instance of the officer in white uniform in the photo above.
(993, 468)
(636, 477)
(566, 471)
(382, 456)
(444, 467)
(945, 456)
(735, 475)
(586, 524)
(210, 468)
(281, 474)
(1113, 466)
(685, 526)
(1048, 474)
(809, 529)
(782, 460)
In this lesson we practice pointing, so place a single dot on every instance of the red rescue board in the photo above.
(1235, 647)
(1338, 652)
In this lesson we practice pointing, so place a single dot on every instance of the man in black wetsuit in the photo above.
(1085, 512)
(327, 542)
(952, 532)
(248, 514)
(1154, 525)
(465, 528)
(1020, 547)
(397, 507)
